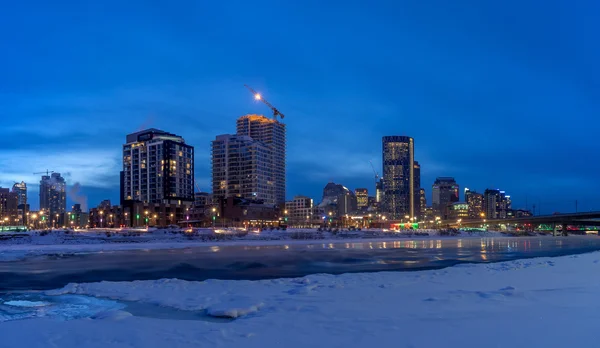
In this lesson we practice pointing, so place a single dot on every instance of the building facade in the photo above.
(444, 191)
(243, 167)
(458, 211)
(299, 211)
(422, 203)
(20, 189)
(475, 202)
(398, 176)
(494, 204)
(417, 186)
(158, 167)
(272, 133)
(53, 199)
(362, 198)
(9, 213)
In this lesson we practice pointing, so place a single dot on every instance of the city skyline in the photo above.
(452, 89)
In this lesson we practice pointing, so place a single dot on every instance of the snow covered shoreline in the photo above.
(35, 243)
(549, 302)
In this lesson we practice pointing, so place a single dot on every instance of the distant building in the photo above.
(20, 189)
(243, 167)
(496, 204)
(77, 218)
(417, 188)
(422, 204)
(338, 200)
(398, 176)
(458, 210)
(444, 191)
(379, 193)
(270, 132)
(53, 200)
(362, 198)
(475, 202)
(299, 211)
(202, 199)
(158, 167)
(9, 213)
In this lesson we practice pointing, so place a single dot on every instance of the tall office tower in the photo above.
(53, 199)
(272, 133)
(492, 201)
(21, 190)
(242, 167)
(444, 191)
(417, 185)
(475, 202)
(158, 167)
(362, 198)
(398, 176)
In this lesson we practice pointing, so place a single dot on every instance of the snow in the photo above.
(23, 245)
(545, 302)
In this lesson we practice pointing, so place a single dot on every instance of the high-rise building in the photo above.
(444, 191)
(417, 186)
(271, 132)
(362, 198)
(338, 199)
(398, 176)
(475, 202)
(492, 202)
(243, 167)
(53, 199)
(20, 189)
(9, 214)
(158, 167)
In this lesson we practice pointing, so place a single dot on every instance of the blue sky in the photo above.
(496, 94)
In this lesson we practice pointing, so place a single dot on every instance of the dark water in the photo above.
(277, 261)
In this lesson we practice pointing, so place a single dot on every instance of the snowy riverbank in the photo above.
(14, 246)
(549, 302)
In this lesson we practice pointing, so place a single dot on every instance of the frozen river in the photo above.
(278, 260)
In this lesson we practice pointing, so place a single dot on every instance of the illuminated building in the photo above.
(362, 198)
(458, 210)
(158, 167)
(299, 211)
(496, 204)
(422, 203)
(9, 213)
(53, 200)
(475, 202)
(270, 132)
(398, 176)
(444, 191)
(243, 167)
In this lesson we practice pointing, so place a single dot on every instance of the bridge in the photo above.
(568, 219)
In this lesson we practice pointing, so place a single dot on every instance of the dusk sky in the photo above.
(502, 94)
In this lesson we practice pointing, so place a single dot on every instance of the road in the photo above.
(276, 261)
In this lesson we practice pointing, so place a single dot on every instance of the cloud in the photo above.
(97, 168)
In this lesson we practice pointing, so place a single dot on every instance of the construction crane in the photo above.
(257, 96)
(374, 172)
(47, 172)
(197, 187)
